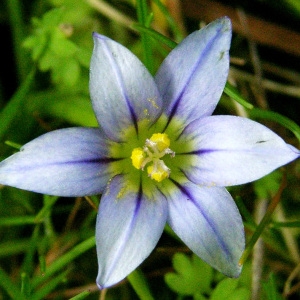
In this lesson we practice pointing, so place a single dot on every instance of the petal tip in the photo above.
(235, 272)
(99, 36)
(101, 285)
(224, 23)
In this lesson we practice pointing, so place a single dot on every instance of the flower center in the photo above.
(155, 148)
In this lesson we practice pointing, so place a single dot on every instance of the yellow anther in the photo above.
(161, 139)
(157, 172)
(137, 157)
(152, 153)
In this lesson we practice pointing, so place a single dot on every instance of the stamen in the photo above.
(155, 148)
(161, 140)
(137, 157)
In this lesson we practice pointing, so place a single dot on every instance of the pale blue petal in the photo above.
(208, 222)
(192, 77)
(129, 225)
(230, 150)
(65, 162)
(122, 90)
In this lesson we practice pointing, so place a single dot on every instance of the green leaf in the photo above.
(228, 289)
(73, 108)
(199, 296)
(140, 285)
(270, 289)
(268, 185)
(61, 46)
(156, 35)
(233, 93)
(81, 296)
(192, 275)
(67, 73)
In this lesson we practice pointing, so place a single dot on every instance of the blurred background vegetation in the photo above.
(47, 243)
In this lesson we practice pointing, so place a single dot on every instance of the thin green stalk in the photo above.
(178, 34)
(49, 201)
(81, 296)
(64, 260)
(234, 94)
(139, 284)
(11, 110)
(289, 224)
(142, 15)
(264, 222)
(17, 221)
(156, 35)
(25, 284)
(244, 211)
(14, 8)
(28, 262)
(11, 289)
(13, 247)
(41, 293)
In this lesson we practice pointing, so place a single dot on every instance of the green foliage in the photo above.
(270, 289)
(195, 278)
(192, 275)
(229, 289)
(47, 246)
(52, 49)
(140, 285)
(268, 185)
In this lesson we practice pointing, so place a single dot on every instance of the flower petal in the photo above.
(192, 77)
(129, 225)
(65, 162)
(208, 222)
(122, 90)
(231, 150)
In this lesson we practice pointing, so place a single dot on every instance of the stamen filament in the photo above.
(155, 148)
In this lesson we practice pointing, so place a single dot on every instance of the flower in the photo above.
(158, 157)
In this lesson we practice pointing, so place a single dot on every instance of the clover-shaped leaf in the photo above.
(230, 289)
(192, 275)
(54, 51)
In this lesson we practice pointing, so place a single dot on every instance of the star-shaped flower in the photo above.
(158, 157)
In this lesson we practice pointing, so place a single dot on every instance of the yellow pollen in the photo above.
(161, 139)
(155, 148)
(158, 173)
(137, 157)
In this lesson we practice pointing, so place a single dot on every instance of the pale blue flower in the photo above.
(158, 157)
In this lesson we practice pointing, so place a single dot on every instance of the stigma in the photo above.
(151, 154)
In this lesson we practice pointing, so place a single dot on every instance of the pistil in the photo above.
(155, 148)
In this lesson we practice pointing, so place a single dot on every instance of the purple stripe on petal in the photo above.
(122, 90)
(230, 150)
(192, 77)
(120, 80)
(206, 50)
(198, 152)
(212, 225)
(209, 224)
(104, 160)
(126, 233)
(129, 225)
(65, 162)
